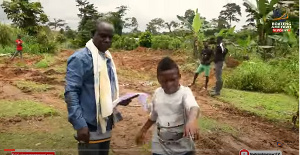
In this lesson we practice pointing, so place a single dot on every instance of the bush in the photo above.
(5, 35)
(126, 43)
(60, 38)
(165, 42)
(253, 76)
(279, 75)
(145, 39)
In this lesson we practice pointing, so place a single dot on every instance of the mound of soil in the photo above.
(51, 72)
(231, 62)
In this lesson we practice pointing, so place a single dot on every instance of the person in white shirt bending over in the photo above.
(175, 112)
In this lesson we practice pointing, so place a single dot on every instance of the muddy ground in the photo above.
(137, 71)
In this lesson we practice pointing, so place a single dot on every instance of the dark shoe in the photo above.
(215, 94)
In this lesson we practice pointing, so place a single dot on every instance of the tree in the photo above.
(187, 19)
(170, 25)
(24, 14)
(262, 12)
(70, 34)
(250, 16)
(132, 24)
(230, 12)
(116, 18)
(219, 23)
(155, 25)
(88, 15)
(57, 23)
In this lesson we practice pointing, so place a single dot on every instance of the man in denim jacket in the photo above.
(80, 94)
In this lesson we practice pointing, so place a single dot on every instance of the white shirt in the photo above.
(167, 110)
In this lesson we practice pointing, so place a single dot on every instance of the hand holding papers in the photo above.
(126, 99)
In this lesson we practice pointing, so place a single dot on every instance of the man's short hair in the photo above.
(96, 24)
(166, 64)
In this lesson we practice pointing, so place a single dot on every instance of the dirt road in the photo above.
(137, 73)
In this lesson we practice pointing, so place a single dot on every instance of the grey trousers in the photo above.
(15, 54)
(218, 74)
(94, 149)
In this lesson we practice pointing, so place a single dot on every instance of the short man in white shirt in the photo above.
(175, 111)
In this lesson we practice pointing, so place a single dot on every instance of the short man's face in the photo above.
(103, 38)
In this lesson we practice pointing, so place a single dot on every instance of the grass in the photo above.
(45, 62)
(61, 69)
(275, 107)
(30, 86)
(211, 125)
(24, 108)
(59, 137)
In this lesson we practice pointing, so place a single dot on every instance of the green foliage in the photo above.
(278, 75)
(85, 34)
(253, 76)
(45, 62)
(155, 25)
(26, 15)
(165, 42)
(197, 22)
(123, 42)
(60, 38)
(5, 35)
(70, 34)
(145, 39)
(88, 15)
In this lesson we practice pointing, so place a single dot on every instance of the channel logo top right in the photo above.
(279, 22)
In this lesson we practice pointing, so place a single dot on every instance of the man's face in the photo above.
(169, 80)
(103, 37)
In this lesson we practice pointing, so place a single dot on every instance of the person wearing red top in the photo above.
(19, 43)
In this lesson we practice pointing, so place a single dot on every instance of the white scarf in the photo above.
(103, 96)
(221, 45)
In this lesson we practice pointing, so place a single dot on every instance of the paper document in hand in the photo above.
(142, 99)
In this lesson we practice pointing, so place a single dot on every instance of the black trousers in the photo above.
(188, 153)
(94, 149)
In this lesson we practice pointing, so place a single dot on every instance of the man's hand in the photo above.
(83, 134)
(192, 129)
(140, 138)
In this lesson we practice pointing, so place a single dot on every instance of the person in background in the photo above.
(206, 58)
(19, 44)
(220, 53)
(91, 86)
(175, 111)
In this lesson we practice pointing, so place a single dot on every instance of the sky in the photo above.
(143, 10)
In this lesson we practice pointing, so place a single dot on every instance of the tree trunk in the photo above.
(195, 47)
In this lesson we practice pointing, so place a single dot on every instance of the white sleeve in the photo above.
(153, 113)
(189, 100)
